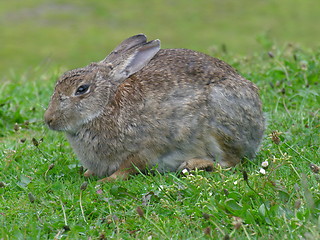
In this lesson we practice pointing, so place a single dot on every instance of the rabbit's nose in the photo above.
(48, 118)
(48, 122)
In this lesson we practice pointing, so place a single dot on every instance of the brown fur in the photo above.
(147, 107)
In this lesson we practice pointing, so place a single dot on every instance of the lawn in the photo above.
(69, 34)
(43, 194)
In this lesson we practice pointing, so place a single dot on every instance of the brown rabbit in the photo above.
(143, 106)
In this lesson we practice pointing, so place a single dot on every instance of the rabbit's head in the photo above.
(82, 94)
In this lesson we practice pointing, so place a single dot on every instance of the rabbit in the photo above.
(143, 107)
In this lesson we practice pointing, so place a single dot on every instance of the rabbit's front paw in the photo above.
(197, 163)
(88, 173)
(117, 175)
(131, 165)
(107, 179)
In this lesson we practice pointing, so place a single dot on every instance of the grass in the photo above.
(43, 194)
(73, 33)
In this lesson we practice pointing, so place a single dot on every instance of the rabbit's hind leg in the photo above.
(197, 163)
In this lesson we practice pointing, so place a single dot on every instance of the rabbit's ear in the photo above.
(133, 61)
(125, 46)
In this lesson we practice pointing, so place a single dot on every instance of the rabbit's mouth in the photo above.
(53, 125)
(66, 128)
(66, 123)
(58, 124)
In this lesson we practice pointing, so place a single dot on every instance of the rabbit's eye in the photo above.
(82, 89)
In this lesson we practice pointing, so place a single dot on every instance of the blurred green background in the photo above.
(69, 34)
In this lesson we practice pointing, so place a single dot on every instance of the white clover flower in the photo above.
(185, 171)
(265, 164)
(262, 171)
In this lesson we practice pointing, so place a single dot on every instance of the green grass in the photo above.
(41, 195)
(73, 33)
